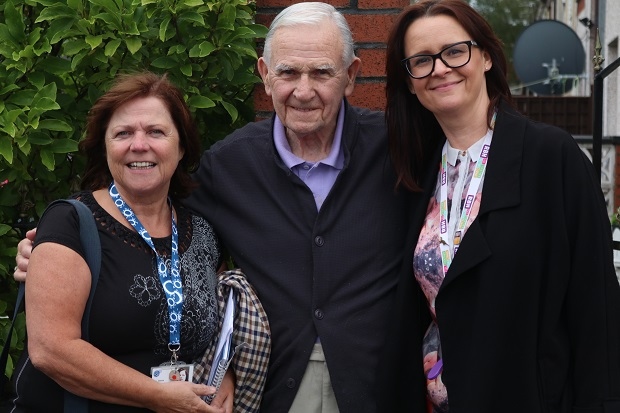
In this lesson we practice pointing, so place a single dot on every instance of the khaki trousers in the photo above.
(315, 393)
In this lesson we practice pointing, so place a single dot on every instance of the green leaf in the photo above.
(47, 159)
(245, 78)
(5, 229)
(232, 111)
(59, 28)
(34, 36)
(77, 59)
(55, 125)
(164, 63)
(259, 30)
(39, 138)
(76, 5)
(244, 49)
(12, 115)
(45, 3)
(34, 116)
(201, 50)
(192, 16)
(133, 44)
(44, 47)
(94, 41)
(22, 97)
(187, 70)
(14, 21)
(163, 29)
(243, 33)
(8, 88)
(45, 104)
(130, 25)
(109, 5)
(26, 53)
(10, 130)
(64, 146)
(5, 35)
(110, 48)
(226, 19)
(177, 49)
(200, 102)
(48, 91)
(72, 47)
(55, 12)
(193, 3)
(110, 19)
(6, 149)
(55, 65)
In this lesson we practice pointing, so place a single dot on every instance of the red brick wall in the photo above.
(370, 21)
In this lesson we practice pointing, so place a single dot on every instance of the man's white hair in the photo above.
(311, 13)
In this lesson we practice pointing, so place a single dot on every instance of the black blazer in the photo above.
(529, 312)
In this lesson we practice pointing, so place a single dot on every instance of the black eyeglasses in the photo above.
(457, 55)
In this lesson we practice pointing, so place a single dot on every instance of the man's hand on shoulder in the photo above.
(24, 248)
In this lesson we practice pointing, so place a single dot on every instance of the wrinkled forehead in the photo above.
(316, 45)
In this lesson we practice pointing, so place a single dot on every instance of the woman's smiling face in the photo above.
(142, 147)
(446, 90)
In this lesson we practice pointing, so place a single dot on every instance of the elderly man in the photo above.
(305, 204)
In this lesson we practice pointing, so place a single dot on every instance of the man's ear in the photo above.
(352, 72)
(263, 70)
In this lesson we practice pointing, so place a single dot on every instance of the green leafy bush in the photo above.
(56, 58)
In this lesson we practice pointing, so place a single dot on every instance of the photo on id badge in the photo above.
(178, 372)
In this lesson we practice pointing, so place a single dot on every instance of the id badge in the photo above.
(176, 372)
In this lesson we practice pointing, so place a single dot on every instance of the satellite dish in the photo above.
(549, 58)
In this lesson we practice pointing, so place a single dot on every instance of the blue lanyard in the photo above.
(170, 280)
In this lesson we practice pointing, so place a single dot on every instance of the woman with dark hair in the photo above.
(510, 249)
(156, 298)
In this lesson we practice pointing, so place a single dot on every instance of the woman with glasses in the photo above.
(510, 247)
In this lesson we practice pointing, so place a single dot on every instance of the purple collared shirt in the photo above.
(318, 176)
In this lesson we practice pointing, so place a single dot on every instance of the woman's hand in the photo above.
(226, 393)
(184, 397)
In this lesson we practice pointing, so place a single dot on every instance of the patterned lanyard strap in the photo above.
(449, 247)
(170, 280)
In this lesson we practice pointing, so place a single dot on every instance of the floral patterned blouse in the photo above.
(427, 264)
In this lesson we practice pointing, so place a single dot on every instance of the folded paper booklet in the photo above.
(224, 350)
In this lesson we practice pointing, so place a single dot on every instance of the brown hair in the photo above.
(413, 131)
(126, 88)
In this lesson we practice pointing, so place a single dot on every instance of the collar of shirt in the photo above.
(335, 158)
(473, 151)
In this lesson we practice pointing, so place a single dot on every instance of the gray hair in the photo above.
(308, 13)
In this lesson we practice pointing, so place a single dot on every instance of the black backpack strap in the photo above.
(4, 356)
(92, 250)
(89, 238)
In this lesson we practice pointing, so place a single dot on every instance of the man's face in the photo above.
(307, 80)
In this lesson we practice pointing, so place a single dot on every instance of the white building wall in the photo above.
(609, 42)
(584, 33)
